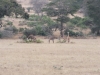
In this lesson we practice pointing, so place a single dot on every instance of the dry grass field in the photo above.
(79, 58)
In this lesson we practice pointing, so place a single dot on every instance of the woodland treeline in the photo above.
(53, 14)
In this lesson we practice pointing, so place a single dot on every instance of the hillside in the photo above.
(26, 3)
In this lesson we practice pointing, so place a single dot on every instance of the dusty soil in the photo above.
(79, 58)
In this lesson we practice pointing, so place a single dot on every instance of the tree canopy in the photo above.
(38, 5)
(61, 9)
(93, 7)
(9, 7)
(93, 10)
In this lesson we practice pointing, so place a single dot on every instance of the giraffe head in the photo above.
(68, 33)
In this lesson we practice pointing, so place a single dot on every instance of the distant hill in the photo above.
(26, 4)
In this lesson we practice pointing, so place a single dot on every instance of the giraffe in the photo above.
(68, 37)
(52, 38)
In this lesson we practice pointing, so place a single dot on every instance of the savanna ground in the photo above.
(80, 58)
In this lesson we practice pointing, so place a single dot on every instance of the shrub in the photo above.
(75, 20)
(15, 30)
(38, 41)
(21, 29)
(41, 20)
(47, 20)
(22, 22)
(23, 37)
(72, 33)
(4, 25)
(28, 32)
(6, 34)
(70, 25)
(32, 24)
(62, 41)
(9, 23)
(81, 22)
(25, 15)
(34, 17)
(38, 30)
(12, 28)
(34, 41)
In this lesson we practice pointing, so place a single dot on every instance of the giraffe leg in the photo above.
(68, 40)
(49, 40)
(53, 41)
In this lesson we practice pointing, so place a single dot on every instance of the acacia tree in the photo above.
(7, 7)
(93, 10)
(38, 5)
(61, 9)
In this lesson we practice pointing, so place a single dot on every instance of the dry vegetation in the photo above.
(79, 58)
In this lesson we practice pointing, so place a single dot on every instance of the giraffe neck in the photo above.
(68, 34)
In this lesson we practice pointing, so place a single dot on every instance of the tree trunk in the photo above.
(98, 32)
(85, 7)
(61, 30)
(0, 23)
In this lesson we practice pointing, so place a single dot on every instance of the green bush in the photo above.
(25, 15)
(75, 20)
(47, 20)
(72, 33)
(12, 28)
(34, 41)
(32, 24)
(15, 30)
(40, 20)
(61, 41)
(9, 23)
(22, 22)
(6, 34)
(70, 25)
(21, 29)
(81, 22)
(24, 37)
(28, 32)
(38, 30)
(38, 41)
(34, 17)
